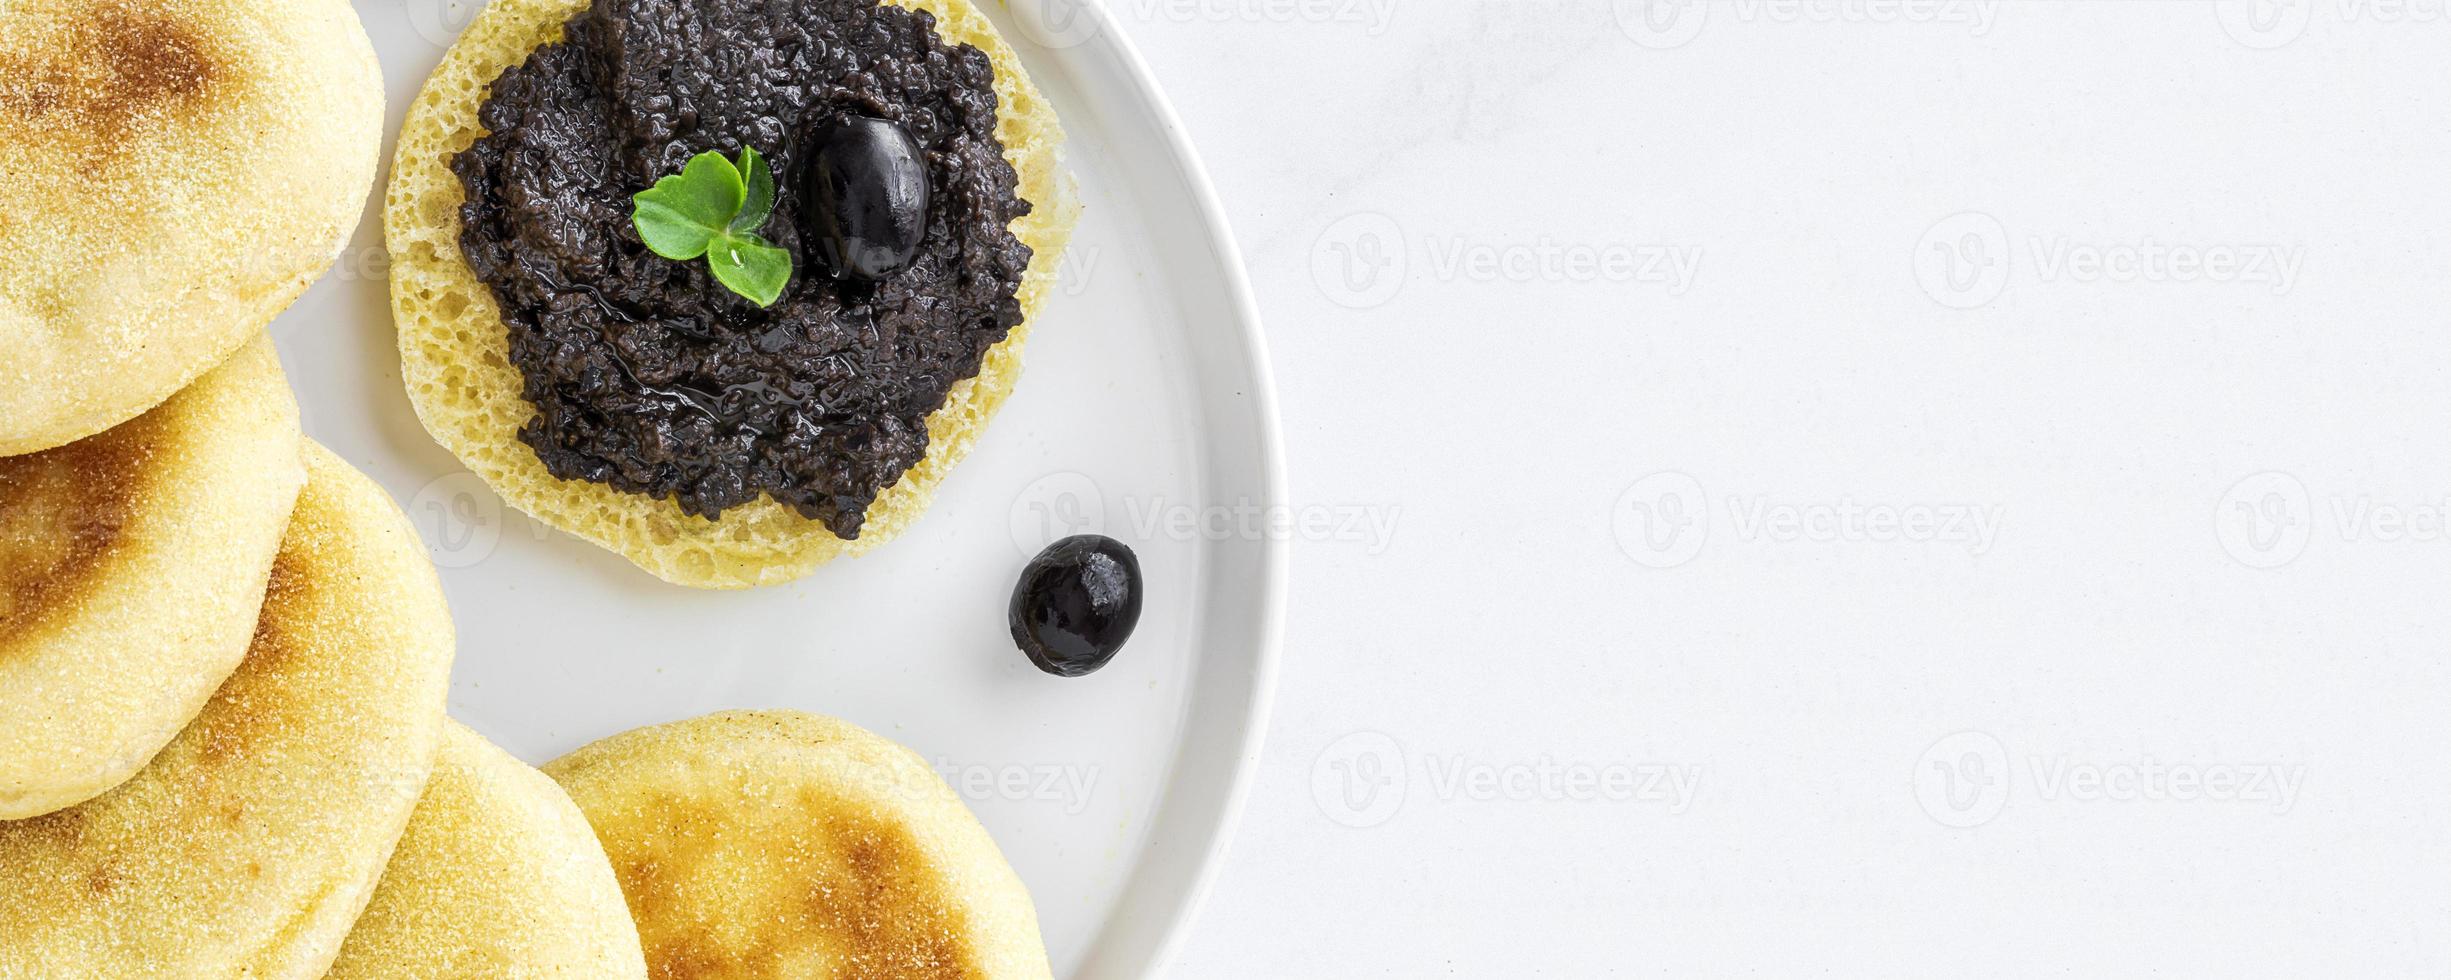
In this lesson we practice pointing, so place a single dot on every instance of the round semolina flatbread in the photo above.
(779, 844)
(251, 843)
(173, 173)
(132, 565)
(455, 352)
(498, 876)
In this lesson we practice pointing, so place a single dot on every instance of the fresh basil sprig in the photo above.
(713, 208)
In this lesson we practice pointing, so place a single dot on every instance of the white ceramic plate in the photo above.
(1146, 412)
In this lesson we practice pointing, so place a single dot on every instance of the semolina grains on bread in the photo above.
(499, 876)
(783, 844)
(173, 173)
(250, 843)
(455, 351)
(132, 566)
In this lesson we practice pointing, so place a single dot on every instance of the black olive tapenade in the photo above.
(647, 374)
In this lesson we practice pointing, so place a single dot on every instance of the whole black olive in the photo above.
(1077, 603)
(864, 194)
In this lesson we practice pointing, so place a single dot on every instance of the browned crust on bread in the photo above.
(782, 844)
(61, 512)
(250, 844)
(175, 173)
(132, 566)
(110, 74)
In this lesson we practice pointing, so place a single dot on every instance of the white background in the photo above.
(2126, 618)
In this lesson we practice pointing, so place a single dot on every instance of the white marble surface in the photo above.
(2000, 326)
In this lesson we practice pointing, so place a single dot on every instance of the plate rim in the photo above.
(1225, 821)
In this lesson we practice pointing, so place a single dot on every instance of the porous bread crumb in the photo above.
(455, 351)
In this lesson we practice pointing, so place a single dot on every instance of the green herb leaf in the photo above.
(670, 233)
(683, 213)
(749, 266)
(759, 179)
(712, 209)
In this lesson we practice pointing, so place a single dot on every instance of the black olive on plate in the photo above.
(864, 194)
(1076, 605)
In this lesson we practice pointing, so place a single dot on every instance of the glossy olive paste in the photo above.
(647, 374)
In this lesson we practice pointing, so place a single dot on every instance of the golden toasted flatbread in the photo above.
(251, 843)
(779, 844)
(498, 876)
(172, 174)
(455, 351)
(132, 564)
